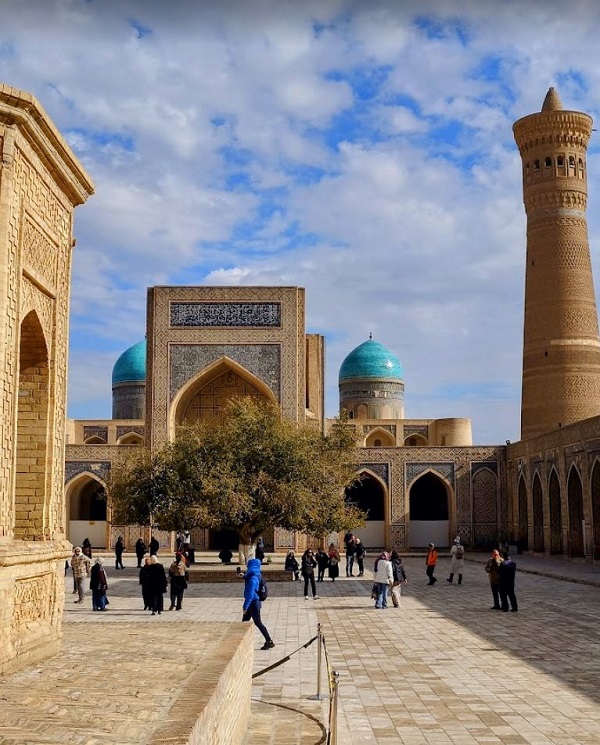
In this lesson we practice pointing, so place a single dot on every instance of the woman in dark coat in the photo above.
(98, 585)
(145, 584)
(140, 550)
(157, 584)
(322, 559)
(86, 548)
(119, 548)
(308, 572)
(334, 562)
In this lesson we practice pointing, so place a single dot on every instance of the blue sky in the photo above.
(360, 149)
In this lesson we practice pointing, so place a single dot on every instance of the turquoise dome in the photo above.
(373, 361)
(131, 365)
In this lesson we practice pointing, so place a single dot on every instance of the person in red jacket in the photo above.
(430, 563)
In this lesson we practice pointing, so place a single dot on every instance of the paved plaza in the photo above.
(443, 668)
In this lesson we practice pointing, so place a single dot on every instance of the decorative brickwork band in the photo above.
(226, 315)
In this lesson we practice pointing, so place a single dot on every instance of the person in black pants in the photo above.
(119, 548)
(308, 572)
(252, 603)
(508, 570)
(359, 553)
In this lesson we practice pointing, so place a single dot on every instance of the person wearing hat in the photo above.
(457, 565)
(178, 579)
(430, 563)
(80, 564)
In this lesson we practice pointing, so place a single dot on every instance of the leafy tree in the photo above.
(247, 471)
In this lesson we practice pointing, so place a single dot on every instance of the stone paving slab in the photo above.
(442, 669)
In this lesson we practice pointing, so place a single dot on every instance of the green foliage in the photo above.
(248, 471)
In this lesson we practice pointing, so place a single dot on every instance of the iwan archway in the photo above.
(207, 394)
(369, 495)
(87, 510)
(429, 511)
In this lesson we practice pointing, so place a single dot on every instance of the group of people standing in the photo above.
(388, 574)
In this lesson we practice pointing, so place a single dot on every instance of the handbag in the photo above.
(374, 592)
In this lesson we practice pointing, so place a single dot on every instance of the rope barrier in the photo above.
(284, 659)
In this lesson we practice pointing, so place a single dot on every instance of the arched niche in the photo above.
(131, 438)
(94, 440)
(87, 510)
(379, 437)
(538, 514)
(415, 440)
(369, 494)
(575, 502)
(33, 456)
(522, 529)
(484, 488)
(556, 533)
(205, 395)
(430, 497)
(596, 509)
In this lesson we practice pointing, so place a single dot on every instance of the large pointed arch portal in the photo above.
(368, 494)
(206, 395)
(87, 510)
(429, 511)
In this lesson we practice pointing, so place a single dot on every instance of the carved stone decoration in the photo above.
(32, 599)
(225, 315)
(398, 533)
(285, 539)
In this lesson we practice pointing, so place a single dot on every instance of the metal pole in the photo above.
(334, 708)
(318, 696)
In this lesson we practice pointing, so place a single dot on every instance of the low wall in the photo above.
(228, 574)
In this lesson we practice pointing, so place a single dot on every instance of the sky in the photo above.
(360, 149)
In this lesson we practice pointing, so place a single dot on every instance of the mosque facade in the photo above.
(422, 480)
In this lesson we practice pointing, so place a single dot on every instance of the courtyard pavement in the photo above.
(443, 668)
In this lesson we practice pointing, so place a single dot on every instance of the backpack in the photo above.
(460, 552)
(262, 592)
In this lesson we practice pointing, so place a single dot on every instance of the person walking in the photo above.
(383, 578)
(430, 563)
(457, 563)
(492, 567)
(508, 571)
(140, 550)
(349, 546)
(154, 546)
(259, 551)
(334, 562)
(70, 564)
(157, 584)
(322, 559)
(145, 584)
(292, 566)
(252, 604)
(119, 548)
(178, 580)
(98, 585)
(80, 564)
(399, 578)
(359, 555)
(308, 572)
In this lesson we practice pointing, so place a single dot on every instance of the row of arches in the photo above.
(552, 524)
(129, 438)
(380, 437)
(563, 165)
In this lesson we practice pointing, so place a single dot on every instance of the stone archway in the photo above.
(556, 537)
(369, 495)
(87, 505)
(429, 502)
(596, 509)
(538, 515)
(575, 501)
(522, 530)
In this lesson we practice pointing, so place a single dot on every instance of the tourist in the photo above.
(350, 551)
(140, 550)
(492, 567)
(308, 572)
(119, 548)
(508, 570)
(157, 584)
(178, 580)
(291, 565)
(72, 571)
(145, 584)
(359, 555)
(457, 563)
(430, 563)
(86, 548)
(225, 555)
(98, 585)
(186, 542)
(383, 578)
(252, 604)
(399, 578)
(80, 564)
(154, 546)
(322, 560)
(334, 562)
(259, 551)
(179, 540)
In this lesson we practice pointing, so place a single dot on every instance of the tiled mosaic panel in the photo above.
(100, 432)
(379, 469)
(224, 315)
(262, 360)
(74, 468)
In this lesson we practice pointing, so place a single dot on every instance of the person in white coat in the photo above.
(383, 578)
(457, 564)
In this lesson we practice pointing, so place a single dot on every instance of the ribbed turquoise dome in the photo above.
(373, 361)
(131, 365)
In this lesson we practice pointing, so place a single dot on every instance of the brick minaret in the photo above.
(561, 347)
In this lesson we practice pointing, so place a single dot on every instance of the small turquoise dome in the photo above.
(373, 361)
(131, 365)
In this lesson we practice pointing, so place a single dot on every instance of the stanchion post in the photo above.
(334, 708)
(318, 696)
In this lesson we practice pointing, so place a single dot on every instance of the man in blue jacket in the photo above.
(252, 602)
(507, 571)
